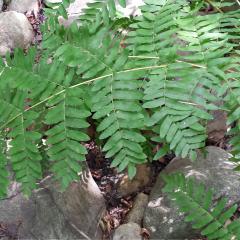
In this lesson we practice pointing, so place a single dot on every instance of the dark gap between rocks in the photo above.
(108, 180)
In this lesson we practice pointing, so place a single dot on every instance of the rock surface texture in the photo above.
(24, 6)
(141, 180)
(215, 170)
(128, 231)
(132, 8)
(15, 31)
(1, 5)
(137, 212)
(50, 214)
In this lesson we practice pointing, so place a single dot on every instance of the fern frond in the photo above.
(67, 114)
(117, 103)
(56, 9)
(116, 96)
(229, 25)
(32, 88)
(153, 33)
(180, 96)
(100, 12)
(21, 74)
(197, 203)
(53, 32)
(178, 118)
(16, 125)
(24, 154)
(4, 180)
(232, 104)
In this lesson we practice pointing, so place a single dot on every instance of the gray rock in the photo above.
(128, 231)
(75, 9)
(137, 212)
(24, 6)
(15, 31)
(217, 127)
(1, 5)
(51, 214)
(161, 216)
(142, 179)
(132, 8)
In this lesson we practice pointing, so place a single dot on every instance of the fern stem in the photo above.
(77, 85)
(192, 64)
(212, 4)
(144, 57)
(152, 57)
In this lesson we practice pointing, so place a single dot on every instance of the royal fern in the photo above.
(173, 67)
(193, 199)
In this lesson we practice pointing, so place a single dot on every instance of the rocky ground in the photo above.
(105, 204)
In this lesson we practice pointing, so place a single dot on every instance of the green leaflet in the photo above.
(161, 152)
(65, 149)
(199, 209)
(162, 79)
(100, 12)
(175, 115)
(121, 122)
(4, 181)
(24, 153)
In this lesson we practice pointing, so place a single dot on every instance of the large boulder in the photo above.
(24, 6)
(15, 31)
(1, 5)
(162, 218)
(52, 214)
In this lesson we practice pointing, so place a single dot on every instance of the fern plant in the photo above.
(163, 75)
(193, 199)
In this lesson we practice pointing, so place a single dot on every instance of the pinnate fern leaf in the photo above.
(67, 113)
(24, 153)
(4, 175)
(197, 203)
(115, 99)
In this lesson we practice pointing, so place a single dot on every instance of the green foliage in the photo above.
(163, 78)
(193, 199)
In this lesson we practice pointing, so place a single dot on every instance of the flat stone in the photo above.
(52, 214)
(15, 31)
(141, 180)
(128, 231)
(162, 218)
(137, 212)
